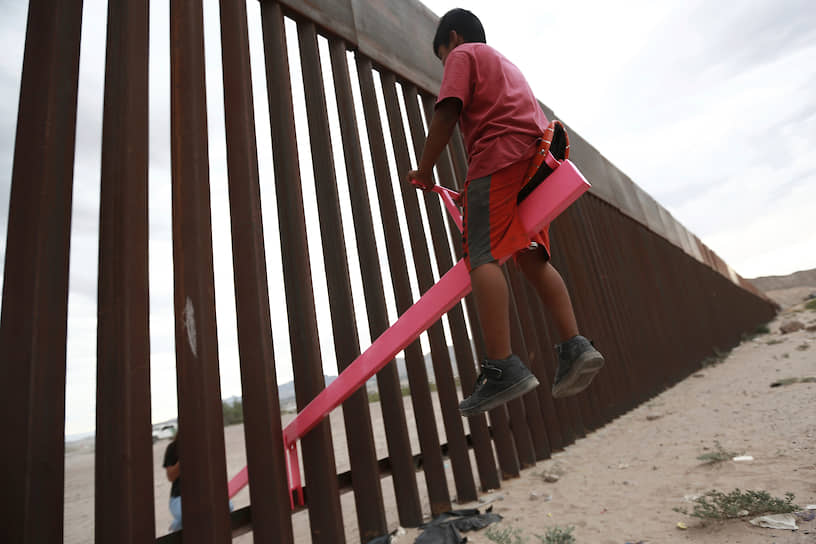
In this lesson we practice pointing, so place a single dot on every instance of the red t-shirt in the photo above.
(500, 118)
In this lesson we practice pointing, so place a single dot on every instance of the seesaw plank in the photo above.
(540, 208)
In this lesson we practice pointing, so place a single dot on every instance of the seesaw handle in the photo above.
(448, 197)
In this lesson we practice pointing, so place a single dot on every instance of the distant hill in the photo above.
(803, 278)
(286, 393)
(788, 290)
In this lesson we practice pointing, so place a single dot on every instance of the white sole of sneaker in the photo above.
(514, 391)
(582, 374)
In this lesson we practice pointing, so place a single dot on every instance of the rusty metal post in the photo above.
(515, 408)
(594, 219)
(448, 400)
(268, 489)
(479, 433)
(536, 336)
(524, 341)
(581, 276)
(566, 418)
(35, 285)
(325, 517)
(396, 431)
(576, 427)
(433, 468)
(589, 304)
(362, 453)
(201, 446)
(499, 419)
(124, 502)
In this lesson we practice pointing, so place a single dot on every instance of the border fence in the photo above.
(655, 299)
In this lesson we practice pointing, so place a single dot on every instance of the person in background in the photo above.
(173, 470)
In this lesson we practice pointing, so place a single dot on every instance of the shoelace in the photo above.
(481, 379)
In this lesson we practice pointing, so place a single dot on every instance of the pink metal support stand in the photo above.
(541, 207)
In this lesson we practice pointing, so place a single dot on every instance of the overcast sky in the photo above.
(712, 112)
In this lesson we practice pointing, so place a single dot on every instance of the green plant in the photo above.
(791, 381)
(717, 358)
(716, 505)
(811, 304)
(557, 535)
(717, 456)
(721, 355)
(505, 535)
(774, 341)
(803, 347)
(762, 329)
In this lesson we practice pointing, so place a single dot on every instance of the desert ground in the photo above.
(623, 482)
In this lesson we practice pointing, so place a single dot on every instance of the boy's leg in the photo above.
(503, 376)
(491, 228)
(492, 305)
(551, 289)
(578, 360)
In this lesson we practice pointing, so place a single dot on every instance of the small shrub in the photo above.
(505, 535)
(762, 329)
(803, 347)
(719, 455)
(722, 355)
(716, 505)
(717, 358)
(557, 535)
(791, 381)
(811, 305)
(785, 381)
(774, 341)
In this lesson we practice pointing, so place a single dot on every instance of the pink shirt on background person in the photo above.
(500, 118)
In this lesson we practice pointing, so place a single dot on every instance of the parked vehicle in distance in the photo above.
(164, 430)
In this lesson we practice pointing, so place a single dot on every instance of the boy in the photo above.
(502, 123)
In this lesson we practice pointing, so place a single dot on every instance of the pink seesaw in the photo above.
(560, 189)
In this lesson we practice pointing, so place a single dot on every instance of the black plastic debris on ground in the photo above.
(447, 528)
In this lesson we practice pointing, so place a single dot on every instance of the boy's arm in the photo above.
(444, 120)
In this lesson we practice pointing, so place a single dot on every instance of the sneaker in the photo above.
(499, 382)
(578, 362)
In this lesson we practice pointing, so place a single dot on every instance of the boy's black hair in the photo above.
(464, 23)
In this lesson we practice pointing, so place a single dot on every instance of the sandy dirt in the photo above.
(621, 483)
